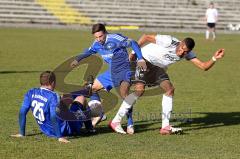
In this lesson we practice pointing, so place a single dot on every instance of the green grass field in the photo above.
(210, 100)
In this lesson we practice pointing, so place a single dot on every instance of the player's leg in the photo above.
(167, 101)
(126, 105)
(128, 100)
(207, 31)
(122, 79)
(139, 90)
(96, 105)
(94, 97)
(79, 105)
(103, 81)
(213, 32)
(167, 105)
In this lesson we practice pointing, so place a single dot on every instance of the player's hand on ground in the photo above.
(219, 54)
(74, 63)
(142, 64)
(63, 140)
(17, 135)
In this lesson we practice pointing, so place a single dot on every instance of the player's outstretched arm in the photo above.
(74, 63)
(208, 64)
(84, 55)
(22, 116)
(146, 38)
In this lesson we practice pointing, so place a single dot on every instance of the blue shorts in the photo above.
(111, 80)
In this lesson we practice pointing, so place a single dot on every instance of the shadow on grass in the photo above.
(35, 134)
(146, 125)
(199, 120)
(140, 127)
(12, 72)
(206, 120)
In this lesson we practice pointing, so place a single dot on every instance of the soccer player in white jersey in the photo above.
(160, 52)
(211, 19)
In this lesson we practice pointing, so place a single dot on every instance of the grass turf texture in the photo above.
(212, 98)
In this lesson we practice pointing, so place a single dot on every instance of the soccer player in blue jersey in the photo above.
(113, 49)
(43, 102)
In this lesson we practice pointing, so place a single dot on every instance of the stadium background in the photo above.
(40, 35)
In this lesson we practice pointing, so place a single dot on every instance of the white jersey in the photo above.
(163, 53)
(211, 15)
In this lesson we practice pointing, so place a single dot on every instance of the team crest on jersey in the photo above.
(110, 45)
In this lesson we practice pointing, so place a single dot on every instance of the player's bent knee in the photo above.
(139, 89)
(170, 91)
(80, 99)
(139, 92)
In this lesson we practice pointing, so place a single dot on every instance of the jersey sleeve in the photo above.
(191, 55)
(54, 102)
(23, 112)
(87, 52)
(135, 47)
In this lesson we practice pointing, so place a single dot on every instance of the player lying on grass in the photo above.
(113, 50)
(160, 52)
(44, 102)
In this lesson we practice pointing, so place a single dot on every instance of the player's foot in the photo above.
(97, 120)
(130, 129)
(116, 127)
(168, 130)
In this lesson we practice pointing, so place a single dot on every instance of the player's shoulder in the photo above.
(48, 92)
(166, 40)
(52, 95)
(95, 44)
(116, 36)
(32, 90)
(191, 55)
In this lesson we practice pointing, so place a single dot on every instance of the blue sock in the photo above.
(130, 117)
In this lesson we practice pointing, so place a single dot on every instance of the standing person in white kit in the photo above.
(211, 19)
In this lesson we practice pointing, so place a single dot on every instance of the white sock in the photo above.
(214, 35)
(167, 104)
(207, 34)
(125, 106)
(96, 107)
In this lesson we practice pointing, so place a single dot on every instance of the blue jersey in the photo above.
(113, 51)
(43, 103)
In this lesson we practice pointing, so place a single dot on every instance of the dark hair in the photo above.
(98, 27)
(189, 42)
(47, 78)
